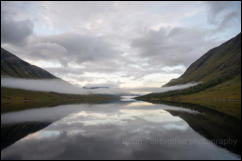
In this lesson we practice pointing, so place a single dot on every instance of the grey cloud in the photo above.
(171, 47)
(14, 28)
(15, 32)
(47, 51)
(226, 21)
(221, 13)
(72, 47)
(215, 8)
(96, 36)
(66, 70)
(66, 14)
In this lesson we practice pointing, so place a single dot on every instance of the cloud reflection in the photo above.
(114, 131)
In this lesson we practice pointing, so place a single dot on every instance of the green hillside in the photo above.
(13, 66)
(219, 62)
(219, 74)
(224, 97)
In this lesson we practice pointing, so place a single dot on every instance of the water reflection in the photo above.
(49, 114)
(133, 130)
(128, 98)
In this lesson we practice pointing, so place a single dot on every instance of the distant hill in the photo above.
(219, 75)
(95, 87)
(13, 66)
(219, 62)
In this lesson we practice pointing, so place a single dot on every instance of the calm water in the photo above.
(122, 130)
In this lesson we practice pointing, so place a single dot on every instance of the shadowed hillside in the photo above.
(13, 66)
(19, 99)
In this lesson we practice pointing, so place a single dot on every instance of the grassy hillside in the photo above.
(224, 97)
(17, 99)
(13, 66)
(222, 61)
(219, 72)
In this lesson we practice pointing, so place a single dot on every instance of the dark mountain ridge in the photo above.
(13, 66)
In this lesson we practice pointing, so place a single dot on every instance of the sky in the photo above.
(116, 44)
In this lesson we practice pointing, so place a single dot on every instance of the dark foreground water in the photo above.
(122, 130)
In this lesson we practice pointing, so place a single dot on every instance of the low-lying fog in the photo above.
(60, 86)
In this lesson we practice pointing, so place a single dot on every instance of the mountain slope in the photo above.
(222, 61)
(224, 97)
(13, 66)
(219, 74)
(13, 99)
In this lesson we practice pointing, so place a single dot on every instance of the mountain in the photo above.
(13, 66)
(95, 87)
(13, 99)
(220, 62)
(219, 75)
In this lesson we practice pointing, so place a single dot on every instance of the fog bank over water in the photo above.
(54, 85)
(60, 86)
(163, 89)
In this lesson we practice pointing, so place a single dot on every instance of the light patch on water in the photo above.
(138, 104)
(128, 98)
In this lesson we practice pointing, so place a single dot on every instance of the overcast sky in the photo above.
(123, 44)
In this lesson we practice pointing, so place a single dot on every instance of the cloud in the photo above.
(216, 9)
(14, 28)
(61, 14)
(15, 32)
(71, 48)
(125, 41)
(172, 46)
(223, 14)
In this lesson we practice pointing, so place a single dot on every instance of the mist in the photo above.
(60, 86)
(55, 85)
(142, 91)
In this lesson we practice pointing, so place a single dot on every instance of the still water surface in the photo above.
(124, 130)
